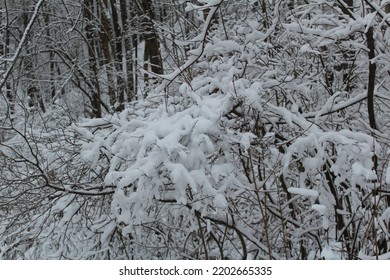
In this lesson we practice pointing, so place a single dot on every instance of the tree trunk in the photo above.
(46, 19)
(371, 77)
(91, 44)
(152, 44)
(105, 39)
(4, 49)
(128, 46)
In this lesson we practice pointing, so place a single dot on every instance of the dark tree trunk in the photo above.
(118, 56)
(371, 77)
(152, 44)
(91, 44)
(4, 49)
(105, 39)
(128, 48)
(46, 19)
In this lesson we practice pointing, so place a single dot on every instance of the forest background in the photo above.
(209, 129)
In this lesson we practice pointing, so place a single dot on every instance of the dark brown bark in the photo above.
(118, 56)
(5, 51)
(152, 44)
(46, 19)
(91, 43)
(371, 77)
(339, 218)
(105, 39)
(128, 45)
(371, 86)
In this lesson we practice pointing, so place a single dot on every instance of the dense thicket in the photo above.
(210, 129)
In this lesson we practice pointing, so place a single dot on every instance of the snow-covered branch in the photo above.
(21, 44)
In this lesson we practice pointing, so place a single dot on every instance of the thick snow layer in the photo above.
(332, 251)
(321, 209)
(220, 200)
(304, 192)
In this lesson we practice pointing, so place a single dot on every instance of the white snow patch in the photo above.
(385, 256)
(304, 192)
(319, 208)
(220, 201)
(367, 173)
(307, 49)
(332, 251)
